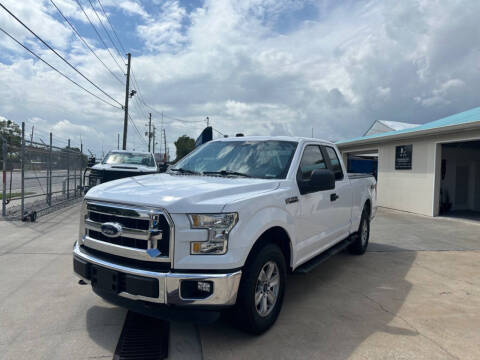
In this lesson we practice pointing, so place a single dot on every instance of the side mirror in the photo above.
(321, 180)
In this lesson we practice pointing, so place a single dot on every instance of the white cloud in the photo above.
(133, 8)
(165, 31)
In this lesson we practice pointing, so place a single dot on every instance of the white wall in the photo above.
(415, 190)
(408, 190)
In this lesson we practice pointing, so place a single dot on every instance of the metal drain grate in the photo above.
(143, 338)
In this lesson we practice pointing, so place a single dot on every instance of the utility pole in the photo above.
(118, 141)
(153, 136)
(165, 140)
(161, 137)
(4, 175)
(127, 91)
(150, 131)
(31, 136)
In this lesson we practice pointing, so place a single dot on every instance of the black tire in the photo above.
(360, 244)
(247, 316)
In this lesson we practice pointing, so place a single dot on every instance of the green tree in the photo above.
(10, 131)
(184, 145)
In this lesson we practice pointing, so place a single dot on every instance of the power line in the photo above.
(169, 117)
(105, 29)
(182, 120)
(140, 95)
(111, 26)
(58, 71)
(218, 131)
(56, 53)
(98, 34)
(140, 109)
(85, 42)
(141, 98)
(138, 87)
(136, 129)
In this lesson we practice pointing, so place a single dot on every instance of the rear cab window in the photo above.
(333, 162)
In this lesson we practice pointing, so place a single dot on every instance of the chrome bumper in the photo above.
(225, 286)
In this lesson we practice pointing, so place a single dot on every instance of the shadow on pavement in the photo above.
(328, 313)
(104, 325)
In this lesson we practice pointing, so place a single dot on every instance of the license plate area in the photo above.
(105, 279)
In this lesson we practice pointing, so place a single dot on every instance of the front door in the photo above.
(312, 224)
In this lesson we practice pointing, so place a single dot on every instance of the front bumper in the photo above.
(156, 287)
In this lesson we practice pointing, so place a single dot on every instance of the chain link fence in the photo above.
(39, 175)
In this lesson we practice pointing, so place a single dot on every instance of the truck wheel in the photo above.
(360, 244)
(261, 290)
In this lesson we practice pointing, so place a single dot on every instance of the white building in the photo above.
(428, 169)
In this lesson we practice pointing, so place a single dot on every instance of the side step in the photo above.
(317, 260)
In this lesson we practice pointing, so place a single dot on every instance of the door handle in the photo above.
(333, 197)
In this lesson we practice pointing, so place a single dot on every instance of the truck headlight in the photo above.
(218, 227)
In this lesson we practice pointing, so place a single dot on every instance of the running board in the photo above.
(317, 260)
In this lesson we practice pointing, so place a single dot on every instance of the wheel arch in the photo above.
(274, 235)
(368, 206)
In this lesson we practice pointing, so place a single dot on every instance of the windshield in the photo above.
(258, 159)
(129, 158)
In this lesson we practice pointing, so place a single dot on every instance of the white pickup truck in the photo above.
(222, 228)
(118, 164)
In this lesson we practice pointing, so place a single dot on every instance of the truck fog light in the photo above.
(195, 290)
(204, 286)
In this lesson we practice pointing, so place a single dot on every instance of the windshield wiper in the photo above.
(225, 173)
(184, 171)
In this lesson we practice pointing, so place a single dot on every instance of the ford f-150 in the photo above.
(223, 227)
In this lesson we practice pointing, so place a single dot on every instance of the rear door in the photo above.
(341, 197)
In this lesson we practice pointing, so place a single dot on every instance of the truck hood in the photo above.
(125, 167)
(181, 193)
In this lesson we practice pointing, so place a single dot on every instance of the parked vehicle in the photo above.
(119, 164)
(222, 228)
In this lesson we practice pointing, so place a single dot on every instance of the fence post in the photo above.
(49, 178)
(81, 169)
(4, 176)
(68, 170)
(75, 175)
(22, 161)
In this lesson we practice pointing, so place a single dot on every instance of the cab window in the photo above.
(312, 159)
(335, 165)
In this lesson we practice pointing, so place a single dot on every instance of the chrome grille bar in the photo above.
(146, 233)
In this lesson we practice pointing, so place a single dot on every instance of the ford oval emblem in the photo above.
(111, 229)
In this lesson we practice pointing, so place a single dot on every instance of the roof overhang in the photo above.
(410, 134)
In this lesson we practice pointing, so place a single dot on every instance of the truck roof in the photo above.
(278, 138)
(130, 152)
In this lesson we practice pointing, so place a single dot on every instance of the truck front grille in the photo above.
(121, 240)
(139, 233)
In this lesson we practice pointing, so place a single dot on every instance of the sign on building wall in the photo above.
(403, 157)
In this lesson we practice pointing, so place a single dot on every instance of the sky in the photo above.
(258, 67)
